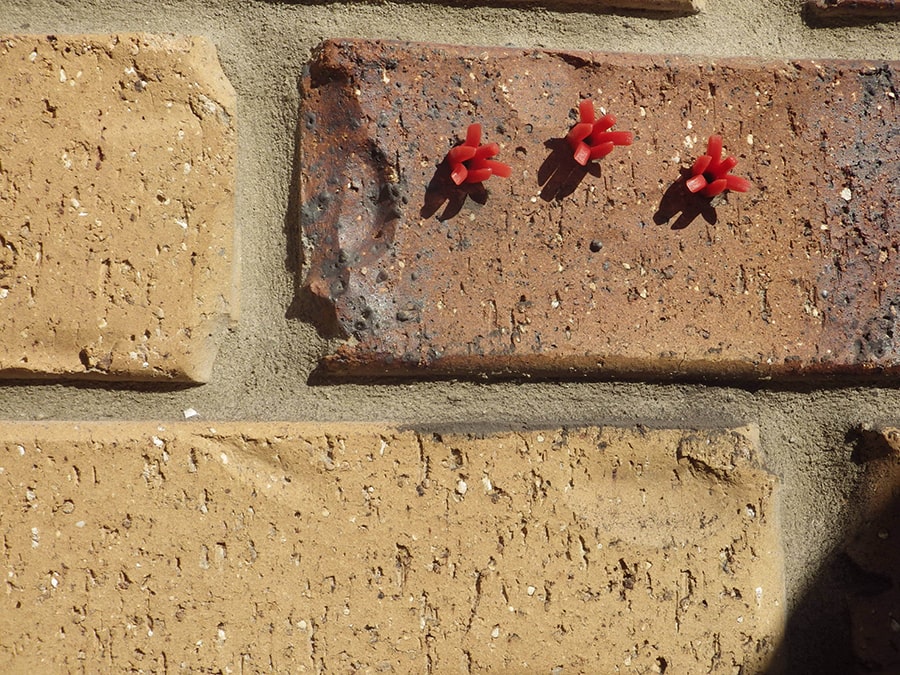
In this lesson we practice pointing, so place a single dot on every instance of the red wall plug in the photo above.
(471, 163)
(590, 139)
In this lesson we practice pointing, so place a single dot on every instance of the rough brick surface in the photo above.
(854, 9)
(116, 206)
(874, 603)
(615, 270)
(681, 6)
(348, 548)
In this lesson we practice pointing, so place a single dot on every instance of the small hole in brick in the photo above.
(596, 246)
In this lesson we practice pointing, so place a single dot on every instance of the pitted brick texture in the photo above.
(854, 9)
(562, 271)
(116, 206)
(874, 598)
(351, 548)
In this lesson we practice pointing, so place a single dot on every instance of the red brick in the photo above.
(562, 272)
(854, 9)
(678, 6)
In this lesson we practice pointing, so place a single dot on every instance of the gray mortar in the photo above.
(262, 369)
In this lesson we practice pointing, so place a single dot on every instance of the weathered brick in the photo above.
(678, 6)
(874, 549)
(116, 206)
(337, 548)
(854, 9)
(558, 270)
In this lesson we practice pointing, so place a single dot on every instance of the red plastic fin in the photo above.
(727, 165)
(602, 150)
(714, 150)
(473, 135)
(605, 123)
(737, 183)
(499, 168)
(696, 183)
(478, 175)
(460, 154)
(579, 133)
(615, 137)
(715, 188)
(582, 153)
(700, 165)
(459, 173)
(586, 112)
(486, 151)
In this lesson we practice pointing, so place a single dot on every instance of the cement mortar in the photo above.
(263, 366)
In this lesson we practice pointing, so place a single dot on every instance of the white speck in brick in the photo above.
(54, 581)
(158, 442)
(4, 292)
(181, 223)
(21, 449)
(689, 125)
(224, 458)
(187, 168)
(189, 413)
(32, 56)
(846, 194)
(688, 142)
(35, 537)
(740, 619)
(62, 75)
(531, 590)
(495, 633)
(80, 523)
(461, 487)
(487, 484)
(895, 626)
(750, 511)
(749, 139)
(883, 534)
(301, 624)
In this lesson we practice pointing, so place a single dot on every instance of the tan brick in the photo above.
(116, 206)
(304, 548)
(559, 270)
(874, 548)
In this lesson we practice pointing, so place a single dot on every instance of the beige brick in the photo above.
(873, 597)
(116, 206)
(304, 548)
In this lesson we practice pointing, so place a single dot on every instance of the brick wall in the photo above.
(279, 395)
